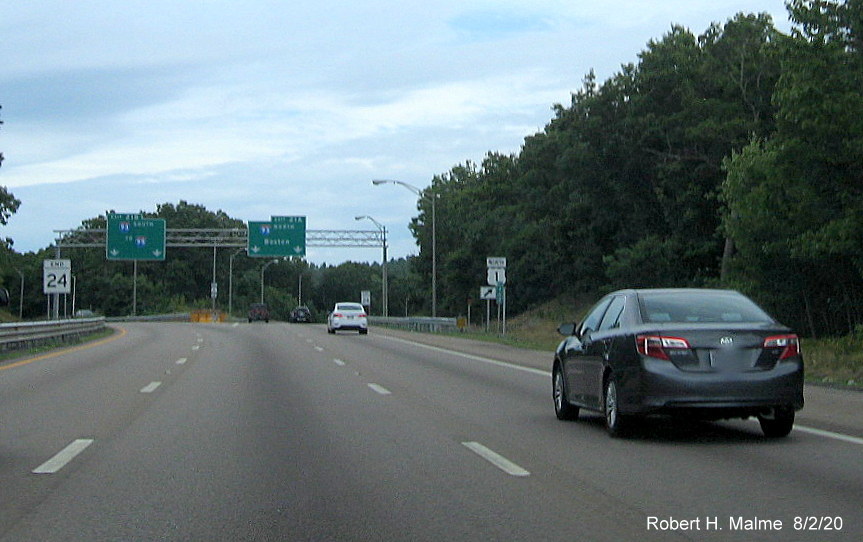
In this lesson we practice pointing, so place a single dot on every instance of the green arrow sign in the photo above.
(280, 237)
(135, 237)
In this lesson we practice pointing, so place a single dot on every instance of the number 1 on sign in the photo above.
(496, 275)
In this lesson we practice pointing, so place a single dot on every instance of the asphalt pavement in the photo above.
(283, 432)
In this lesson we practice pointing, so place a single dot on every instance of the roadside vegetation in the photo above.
(835, 361)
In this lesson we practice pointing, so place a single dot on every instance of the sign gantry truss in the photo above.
(223, 238)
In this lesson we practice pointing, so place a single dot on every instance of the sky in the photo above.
(265, 108)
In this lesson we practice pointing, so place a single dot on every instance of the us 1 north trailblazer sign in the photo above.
(279, 237)
(135, 237)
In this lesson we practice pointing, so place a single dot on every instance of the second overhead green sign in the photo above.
(279, 237)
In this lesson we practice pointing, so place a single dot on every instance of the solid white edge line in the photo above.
(828, 434)
(63, 458)
(380, 389)
(151, 387)
(804, 429)
(496, 459)
(181, 361)
(498, 363)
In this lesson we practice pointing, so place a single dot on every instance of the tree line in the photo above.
(731, 158)
(182, 281)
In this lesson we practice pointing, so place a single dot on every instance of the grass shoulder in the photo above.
(835, 361)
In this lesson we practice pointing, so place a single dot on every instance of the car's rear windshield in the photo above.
(350, 307)
(699, 307)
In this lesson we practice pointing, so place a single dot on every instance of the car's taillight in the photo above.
(790, 345)
(657, 346)
(337, 315)
(361, 315)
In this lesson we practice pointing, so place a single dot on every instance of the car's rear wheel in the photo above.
(777, 423)
(562, 407)
(364, 332)
(616, 423)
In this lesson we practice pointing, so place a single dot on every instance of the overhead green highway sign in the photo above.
(277, 238)
(135, 237)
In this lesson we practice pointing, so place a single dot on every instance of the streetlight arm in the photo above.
(410, 187)
(366, 217)
(433, 197)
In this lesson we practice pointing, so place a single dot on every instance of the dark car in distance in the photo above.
(300, 314)
(258, 312)
(708, 354)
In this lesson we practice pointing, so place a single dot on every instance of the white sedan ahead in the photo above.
(348, 316)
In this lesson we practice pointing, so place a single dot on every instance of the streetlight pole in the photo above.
(384, 287)
(21, 296)
(433, 197)
(268, 264)
(231, 282)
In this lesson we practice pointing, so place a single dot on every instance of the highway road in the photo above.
(283, 432)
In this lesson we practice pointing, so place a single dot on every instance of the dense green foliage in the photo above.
(730, 158)
(795, 198)
(8, 203)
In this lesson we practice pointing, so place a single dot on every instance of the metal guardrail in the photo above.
(416, 323)
(18, 335)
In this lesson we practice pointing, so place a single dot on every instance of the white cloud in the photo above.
(243, 106)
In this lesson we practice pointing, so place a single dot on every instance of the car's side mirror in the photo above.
(566, 329)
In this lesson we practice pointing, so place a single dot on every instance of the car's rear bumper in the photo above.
(659, 387)
(350, 326)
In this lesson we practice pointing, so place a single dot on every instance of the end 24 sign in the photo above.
(135, 237)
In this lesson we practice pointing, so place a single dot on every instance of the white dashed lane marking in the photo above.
(380, 389)
(63, 458)
(496, 459)
(151, 387)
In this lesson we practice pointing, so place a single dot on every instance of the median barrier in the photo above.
(24, 334)
(207, 315)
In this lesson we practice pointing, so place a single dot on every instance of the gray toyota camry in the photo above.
(708, 354)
